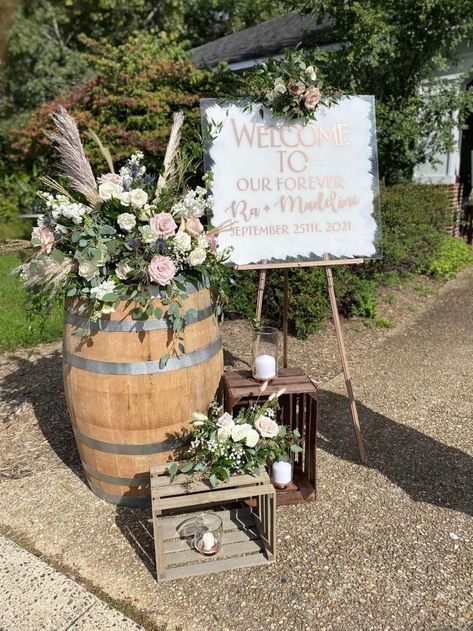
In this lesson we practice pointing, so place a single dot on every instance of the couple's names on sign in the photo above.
(295, 192)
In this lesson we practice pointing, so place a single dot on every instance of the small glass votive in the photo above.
(265, 353)
(208, 534)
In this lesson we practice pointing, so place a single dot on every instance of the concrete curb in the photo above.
(35, 596)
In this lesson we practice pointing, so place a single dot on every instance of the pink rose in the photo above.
(311, 98)
(193, 226)
(111, 177)
(164, 224)
(45, 237)
(267, 427)
(296, 88)
(161, 270)
(212, 241)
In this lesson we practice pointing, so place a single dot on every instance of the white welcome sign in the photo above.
(294, 192)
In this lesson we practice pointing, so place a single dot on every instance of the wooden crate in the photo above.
(249, 536)
(298, 411)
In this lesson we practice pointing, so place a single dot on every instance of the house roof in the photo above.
(265, 39)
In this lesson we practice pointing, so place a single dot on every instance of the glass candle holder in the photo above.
(265, 353)
(208, 533)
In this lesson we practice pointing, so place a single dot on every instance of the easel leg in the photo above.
(259, 297)
(285, 317)
(346, 370)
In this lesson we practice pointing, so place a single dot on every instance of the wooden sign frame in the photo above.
(327, 264)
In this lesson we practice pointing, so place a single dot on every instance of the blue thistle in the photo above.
(134, 244)
(161, 246)
(134, 169)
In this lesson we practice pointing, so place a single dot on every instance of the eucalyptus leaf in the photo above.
(110, 297)
(213, 480)
(163, 360)
(107, 230)
(58, 255)
(186, 468)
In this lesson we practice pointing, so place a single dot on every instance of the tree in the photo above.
(395, 50)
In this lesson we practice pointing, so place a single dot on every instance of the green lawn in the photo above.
(15, 328)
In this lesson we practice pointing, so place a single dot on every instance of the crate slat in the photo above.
(232, 536)
(209, 497)
(182, 483)
(228, 551)
(251, 560)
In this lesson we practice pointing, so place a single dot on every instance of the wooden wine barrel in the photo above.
(128, 413)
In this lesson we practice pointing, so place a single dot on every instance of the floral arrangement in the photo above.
(290, 87)
(223, 445)
(120, 233)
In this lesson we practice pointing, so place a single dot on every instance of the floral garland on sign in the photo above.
(291, 87)
(223, 445)
(119, 234)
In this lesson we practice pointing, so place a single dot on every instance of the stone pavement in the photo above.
(35, 597)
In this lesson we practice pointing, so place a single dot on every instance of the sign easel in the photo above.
(327, 265)
(298, 194)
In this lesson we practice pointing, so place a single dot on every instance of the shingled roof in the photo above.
(265, 39)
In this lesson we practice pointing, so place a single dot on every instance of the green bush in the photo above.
(17, 195)
(452, 256)
(413, 218)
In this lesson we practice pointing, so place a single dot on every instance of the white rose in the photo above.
(197, 257)
(266, 427)
(149, 234)
(122, 270)
(310, 72)
(279, 86)
(239, 432)
(202, 242)
(126, 221)
(125, 198)
(182, 241)
(88, 269)
(224, 432)
(106, 287)
(226, 420)
(252, 438)
(138, 197)
(107, 190)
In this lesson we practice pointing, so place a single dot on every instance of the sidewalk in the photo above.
(35, 597)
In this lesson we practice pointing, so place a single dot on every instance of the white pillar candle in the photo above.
(208, 541)
(282, 472)
(265, 367)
